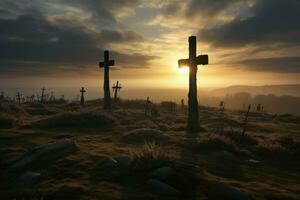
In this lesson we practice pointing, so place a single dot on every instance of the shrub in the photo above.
(240, 139)
(7, 121)
(210, 142)
(83, 120)
(150, 156)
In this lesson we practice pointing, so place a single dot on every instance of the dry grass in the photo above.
(7, 121)
(71, 120)
(150, 156)
(214, 142)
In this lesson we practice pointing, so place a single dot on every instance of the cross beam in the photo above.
(192, 62)
(106, 64)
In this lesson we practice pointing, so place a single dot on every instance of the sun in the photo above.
(183, 70)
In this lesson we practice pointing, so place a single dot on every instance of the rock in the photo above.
(252, 161)
(108, 162)
(221, 190)
(45, 153)
(161, 188)
(123, 160)
(140, 136)
(162, 173)
(29, 178)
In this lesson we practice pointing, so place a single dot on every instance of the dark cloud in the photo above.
(120, 36)
(273, 21)
(276, 64)
(103, 11)
(207, 8)
(32, 44)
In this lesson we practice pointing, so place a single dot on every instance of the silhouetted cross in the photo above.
(2, 96)
(105, 64)
(116, 88)
(43, 92)
(19, 97)
(82, 95)
(147, 103)
(192, 62)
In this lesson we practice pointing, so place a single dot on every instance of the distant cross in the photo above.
(52, 98)
(246, 119)
(27, 99)
(222, 106)
(19, 97)
(116, 88)
(182, 106)
(43, 94)
(32, 98)
(147, 106)
(2, 96)
(258, 108)
(222, 109)
(82, 96)
(105, 64)
(192, 62)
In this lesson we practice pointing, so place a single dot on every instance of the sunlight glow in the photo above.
(184, 70)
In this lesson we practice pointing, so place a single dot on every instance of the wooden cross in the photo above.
(32, 98)
(116, 88)
(2, 95)
(52, 98)
(192, 62)
(105, 64)
(82, 96)
(222, 106)
(19, 97)
(43, 93)
(246, 119)
(147, 106)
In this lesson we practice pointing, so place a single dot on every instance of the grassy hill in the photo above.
(123, 154)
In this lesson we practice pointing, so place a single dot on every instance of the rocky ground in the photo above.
(64, 151)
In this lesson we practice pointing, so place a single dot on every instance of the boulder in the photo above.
(221, 190)
(45, 154)
(123, 160)
(161, 188)
(108, 162)
(29, 178)
(162, 173)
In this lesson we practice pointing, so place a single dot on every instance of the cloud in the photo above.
(120, 36)
(102, 11)
(207, 8)
(32, 44)
(275, 64)
(273, 21)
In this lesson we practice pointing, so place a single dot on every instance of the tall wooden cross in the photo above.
(105, 64)
(116, 88)
(43, 94)
(82, 96)
(192, 62)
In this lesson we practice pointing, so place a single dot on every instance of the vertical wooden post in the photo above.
(193, 118)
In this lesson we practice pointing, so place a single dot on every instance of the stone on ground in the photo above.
(161, 188)
(45, 153)
(162, 173)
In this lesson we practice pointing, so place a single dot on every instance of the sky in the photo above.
(59, 43)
